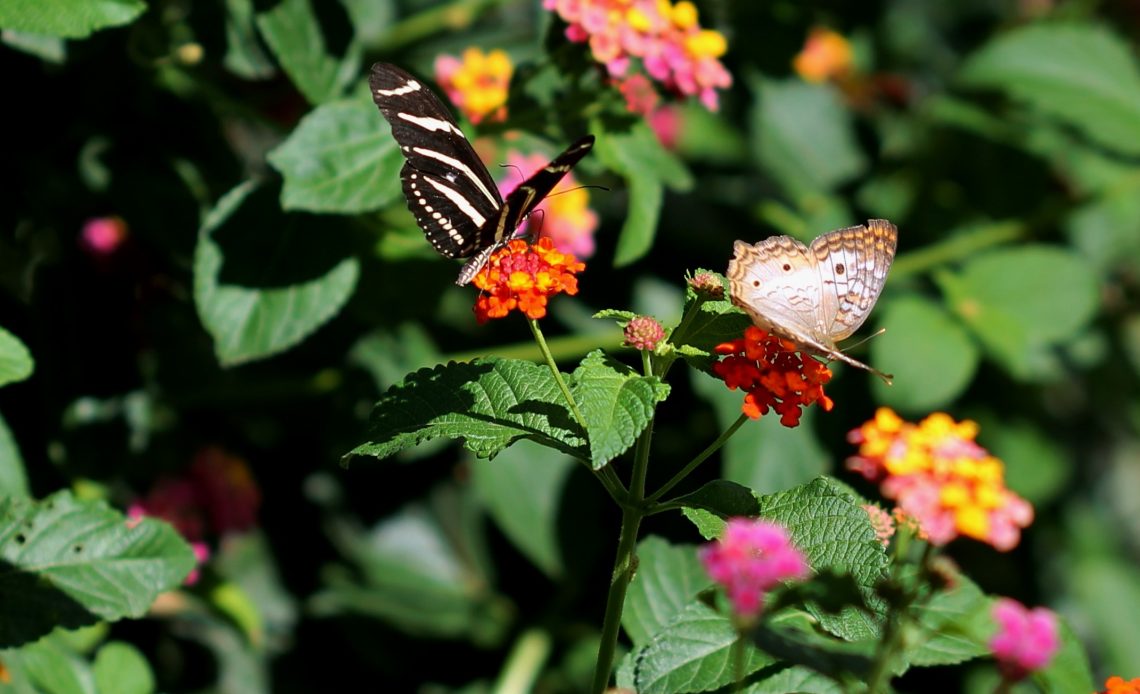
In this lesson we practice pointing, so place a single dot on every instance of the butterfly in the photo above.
(814, 295)
(448, 189)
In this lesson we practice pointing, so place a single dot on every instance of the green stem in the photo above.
(676, 337)
(738, 664)
(450, 17)
(537, 332)
(692, 464)
(625, 565)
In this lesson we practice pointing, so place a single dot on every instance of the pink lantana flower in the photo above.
(1026, 640)
(750, 559)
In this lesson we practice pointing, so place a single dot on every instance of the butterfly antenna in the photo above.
(875, 334)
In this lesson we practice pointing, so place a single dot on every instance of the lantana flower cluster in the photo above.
(665, 36)
(1026, 640)
(564, 215)
(750, 559)
(939, 476)
(773, 375)
(524, 276)
(477, 83)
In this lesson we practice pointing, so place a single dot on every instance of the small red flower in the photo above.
(524, 276)
(773, 375)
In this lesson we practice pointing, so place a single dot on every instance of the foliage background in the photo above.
(1006, 151)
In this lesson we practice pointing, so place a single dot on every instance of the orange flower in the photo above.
(523, 276)
(1118, 685)
(826, 55)
(941, 478)
(773, 375)
(477, 84)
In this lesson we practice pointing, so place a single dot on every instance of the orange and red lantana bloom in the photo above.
(523, 276)
(773, 374)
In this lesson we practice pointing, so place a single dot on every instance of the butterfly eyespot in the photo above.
(839, 269)
(755, 283)
(787, 267)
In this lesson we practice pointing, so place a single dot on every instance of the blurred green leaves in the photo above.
(1080, 73)
(1021, 301)
(804, 136)
(929, 353)
(68, 18)
(16, 362)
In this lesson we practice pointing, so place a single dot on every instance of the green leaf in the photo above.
(390, 354)
(424, 569)
(293, 34)
(803, 136)
(1108, 590)
(953, 626)
(1036, 465)
(522, 490)
(668, 578)
(1080, 73)
(49, 666)
(764, 455)
(693, 654)
(1106, 229)
(50, 49)
(489, 403)
(724, 498)
(1018, 301)
(648, 167)
(13, 474)
(616, 403)
(70, 563)
(828, 525)
(1069, 671)
(253, 322)
(74, 19)
(341, 158)
(244, 56)
(120, 667)
(929, 353)
(16, 362)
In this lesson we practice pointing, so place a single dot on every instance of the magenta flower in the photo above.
(102, 236)
(750, 559)
(1026, 640)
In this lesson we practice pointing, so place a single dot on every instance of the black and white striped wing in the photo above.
(449, 190)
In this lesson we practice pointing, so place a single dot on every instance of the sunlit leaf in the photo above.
(71, 563)
(340, 158)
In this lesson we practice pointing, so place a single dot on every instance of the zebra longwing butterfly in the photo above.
(449, 190)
